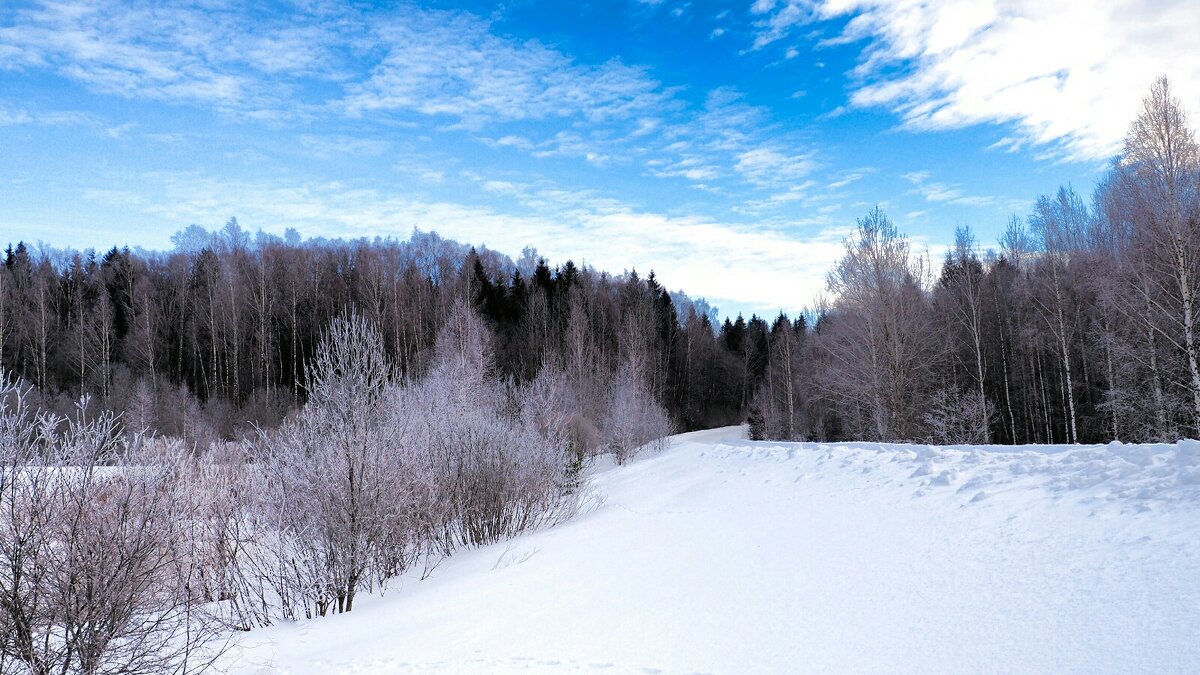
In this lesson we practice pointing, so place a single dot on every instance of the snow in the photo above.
(721, 555)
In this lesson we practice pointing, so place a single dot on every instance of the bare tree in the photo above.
(499, 468)
(1059, 224)
(962, 288)
(779, 403)
(880, 349)
(1162, 159)
(329, 486)
(6, 307)
(634, 419)
(94, 576)
(958, 417)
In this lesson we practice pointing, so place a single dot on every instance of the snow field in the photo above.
(721, 555)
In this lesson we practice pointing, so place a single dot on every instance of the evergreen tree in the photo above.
(758, 425)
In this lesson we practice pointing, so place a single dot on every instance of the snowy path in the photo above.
(725, 556)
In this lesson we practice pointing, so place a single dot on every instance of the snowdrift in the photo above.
(721, 555)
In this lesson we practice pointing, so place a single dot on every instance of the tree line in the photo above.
(212, 339)
(1080, 327)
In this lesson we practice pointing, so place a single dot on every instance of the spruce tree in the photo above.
(758, 426)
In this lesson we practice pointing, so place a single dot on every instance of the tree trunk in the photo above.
(1189, 328)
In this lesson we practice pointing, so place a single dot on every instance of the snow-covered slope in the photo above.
(726, 556)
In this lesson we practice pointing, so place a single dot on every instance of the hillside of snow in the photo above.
(721, 555)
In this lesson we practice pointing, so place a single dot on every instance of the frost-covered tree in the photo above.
(331, 473)
(498, 467)
(958, 417)
(96, 574)
(633, 418)
(961, 295)
(781, 398)
(877, 344)
(374, 475)
(1161, 172)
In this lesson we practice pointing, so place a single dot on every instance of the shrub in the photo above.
(95, 567)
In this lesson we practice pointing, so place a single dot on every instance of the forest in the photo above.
(1079, 326)
(211, 340)
(265, 426)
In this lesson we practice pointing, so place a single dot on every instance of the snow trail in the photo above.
(721, 555)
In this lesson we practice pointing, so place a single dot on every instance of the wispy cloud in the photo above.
(1059, 73)
(731, 140)
(934, 191)
(15, 115)
(850, 177)
(446, 72)
(779, 20)
(771, 167)
(207, 53)
(451, 65)
(339, 145)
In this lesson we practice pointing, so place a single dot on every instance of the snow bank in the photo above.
(726, 556)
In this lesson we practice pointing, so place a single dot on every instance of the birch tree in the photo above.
(1162, 157)
(881, 349)
(962, 295)
(1058, 224)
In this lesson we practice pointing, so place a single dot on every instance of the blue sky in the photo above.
(728, 146)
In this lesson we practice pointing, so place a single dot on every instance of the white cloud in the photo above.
(779, 21)
(1066, 75)
(771, 167)
(119, 131)
(934, 191)
(339, 145)
(509, 141)
(731, 139)
(692, 168)
(766, 268)
(14, 115)
(449, 73)
(850, 177)
(646, 125)
(451, 65)
(170, 52)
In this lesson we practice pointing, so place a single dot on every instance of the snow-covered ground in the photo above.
(726, 556)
